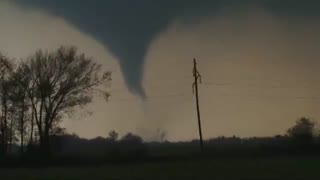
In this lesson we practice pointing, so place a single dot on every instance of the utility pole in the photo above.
(197, 77)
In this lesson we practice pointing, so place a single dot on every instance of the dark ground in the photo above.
(194, 168)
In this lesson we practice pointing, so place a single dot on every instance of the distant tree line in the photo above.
(112, 147)
(37, 92)
(302, 138)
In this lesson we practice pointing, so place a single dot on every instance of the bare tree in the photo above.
(39, 91)
(57, 82)
(6, 104)
(20, 105)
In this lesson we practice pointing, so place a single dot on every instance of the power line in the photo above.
(311, 98)
(177, 95)
(256, 85)
(219, 84)
(149, 98)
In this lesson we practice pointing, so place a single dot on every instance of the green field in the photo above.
(222, 168)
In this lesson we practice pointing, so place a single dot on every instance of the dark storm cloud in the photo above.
(127, 27)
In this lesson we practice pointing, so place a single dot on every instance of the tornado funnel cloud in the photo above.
(127, 27)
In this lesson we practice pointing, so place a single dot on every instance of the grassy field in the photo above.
(223, 168)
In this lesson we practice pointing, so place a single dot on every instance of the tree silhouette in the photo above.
(6, 124)
(113, 135)
(54, 83)
(20, 105)
(302, 131)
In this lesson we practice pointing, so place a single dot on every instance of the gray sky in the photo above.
(259, 68)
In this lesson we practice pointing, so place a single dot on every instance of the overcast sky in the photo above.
(259, 62)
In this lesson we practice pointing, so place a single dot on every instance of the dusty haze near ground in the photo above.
(260, 73)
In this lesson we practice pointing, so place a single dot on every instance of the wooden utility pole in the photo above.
(197, 77)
